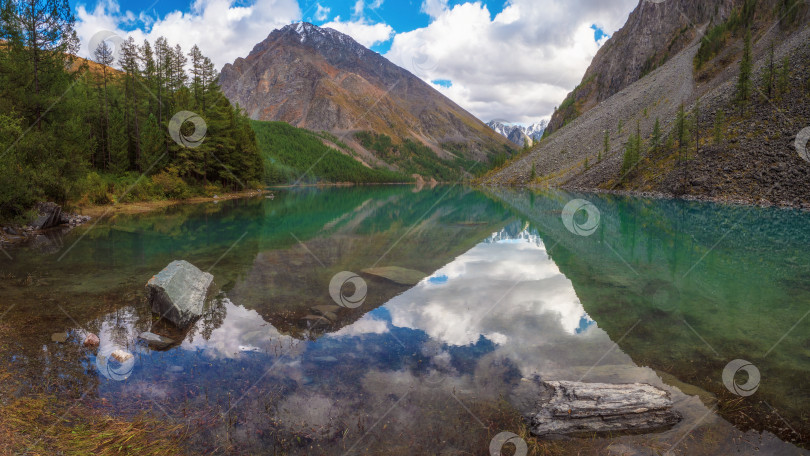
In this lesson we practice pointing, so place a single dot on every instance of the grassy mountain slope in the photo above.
(294, 155)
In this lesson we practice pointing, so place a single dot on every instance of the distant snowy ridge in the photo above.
(519, 134)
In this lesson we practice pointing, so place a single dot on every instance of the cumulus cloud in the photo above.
(516, 66)
(223, 29)
(434, 8)
(362, 31)
(359, 6)
(366, 325)
(322, 13)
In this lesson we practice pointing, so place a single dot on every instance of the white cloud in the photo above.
(223, 30)
(359, 6)
(365, 325)
(362, 31)
(434, 8)
(517, 66)
(322, 13)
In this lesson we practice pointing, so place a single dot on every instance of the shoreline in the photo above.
(653, 194)
(142, 207)
(86, 214)
(750, 202)
(139, 207)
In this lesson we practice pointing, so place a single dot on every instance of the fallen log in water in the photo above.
(571, 408)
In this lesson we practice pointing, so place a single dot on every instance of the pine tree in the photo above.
(179, 62)
(103, 55)
(784, 77)
(149, 72)
(681, 130)
(632, 152)
(769, 74)
(48, 38)
(637, 155)
(696, 116)
(655, 141)
(606, 145)
(129, 61)
(162, 75)
(209, 81)
(719, 126)
(743, 92)
(196, 59)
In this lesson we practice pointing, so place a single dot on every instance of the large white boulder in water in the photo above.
(178, 292)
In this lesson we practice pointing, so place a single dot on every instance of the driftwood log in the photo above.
(575, 408)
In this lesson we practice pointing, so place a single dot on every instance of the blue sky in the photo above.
(510, 60)
(401, 15)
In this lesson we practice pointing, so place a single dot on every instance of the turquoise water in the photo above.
(661, 292)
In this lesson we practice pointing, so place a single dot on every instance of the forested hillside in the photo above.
(158, 128)
(293, 155)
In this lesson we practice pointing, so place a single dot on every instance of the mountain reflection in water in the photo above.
(423, 369)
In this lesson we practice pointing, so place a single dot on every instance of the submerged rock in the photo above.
(572, 408)
(91, 340)
(60, 338)
(121, 356)
(178, 292)
(397, 274)
(155, 340)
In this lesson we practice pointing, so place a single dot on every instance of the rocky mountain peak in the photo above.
(323, 80)
(324, 40)
(519, 134)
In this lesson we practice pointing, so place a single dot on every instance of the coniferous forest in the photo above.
(139, 121)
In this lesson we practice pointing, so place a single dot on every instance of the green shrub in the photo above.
(213, 189)
(171, 185)
(94, 189)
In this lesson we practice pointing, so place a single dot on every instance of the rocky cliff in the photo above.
(732, 150)
(655, 32)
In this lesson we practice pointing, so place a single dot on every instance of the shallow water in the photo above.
(661, 292)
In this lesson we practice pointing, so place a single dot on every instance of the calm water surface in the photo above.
(662, 292)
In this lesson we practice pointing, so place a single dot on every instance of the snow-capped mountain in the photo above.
(518, 134)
